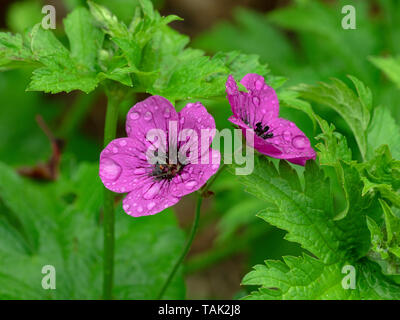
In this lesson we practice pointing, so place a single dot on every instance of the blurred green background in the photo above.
(300, 40)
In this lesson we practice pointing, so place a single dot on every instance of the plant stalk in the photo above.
(114, 98)
(186, 248)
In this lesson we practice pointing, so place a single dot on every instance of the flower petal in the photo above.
(194, 176)
(259, 104)
(195, 117)
(123, 165)
(292, 144)
(262, 96)
(138, 204)
(153, 113)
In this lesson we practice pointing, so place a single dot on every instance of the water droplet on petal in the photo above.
(287, 135)
(167, 113)
(139, 209)
(300, 142)
(151, 205)
(256, 101)
(139, 171)
(152, 191)
(148, 116)
(109, 169)
(115, 150)
(191, 184)
(134, 115)
(126, 207)
(122, 143)
(259, 84)
(182, 120)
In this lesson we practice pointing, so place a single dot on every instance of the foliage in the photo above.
(343, 209)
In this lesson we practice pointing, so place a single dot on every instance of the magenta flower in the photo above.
(152, 187)
(258, 110)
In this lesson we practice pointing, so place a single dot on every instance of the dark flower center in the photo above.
(166, 171)
(263, 131)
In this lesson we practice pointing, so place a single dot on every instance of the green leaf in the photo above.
(66, 70)
(385, 241)
(308, 214)
(353, 108)
(13, 51)
(84, 38)
(382, 174)
(383, 129)
(390, 66)
(60, 224)
(306, 278)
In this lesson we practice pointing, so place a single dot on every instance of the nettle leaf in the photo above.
(159, 61)
(14, 51)
(354, 109)
(390, 66)
(385, 241)
(308, 215)
(382, 174)
(60, 224)
(383, 129)
(66, 70)
(308, 278)
(334, 146)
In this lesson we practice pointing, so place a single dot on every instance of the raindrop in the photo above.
(256, 101)
(122, 143)
(139, 209)
(191, 184)
(134, 115)
(287, 135)
(147, 116)
(151, 205)
(115, 150)
(126, 207)
(259, 84)
(110, 170)
(300, 142)
(152, 191)
(167, 113)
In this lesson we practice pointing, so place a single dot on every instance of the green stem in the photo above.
(114, 99)
(202, 192)
(186, 248)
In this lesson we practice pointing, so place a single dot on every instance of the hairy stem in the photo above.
(114, 97)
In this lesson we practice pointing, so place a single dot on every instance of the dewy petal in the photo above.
(262, 96)
(151, 199)
(194, 176)
(195, 117)
(292, 144)
(153, 113)
(123, 165)
(259, 104)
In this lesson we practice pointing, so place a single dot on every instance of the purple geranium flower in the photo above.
(258, 110)
(152, 187)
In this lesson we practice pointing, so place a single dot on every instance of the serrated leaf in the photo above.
(308, 214)
(307, 278)
(343, 100)
(13, 50)
(383, 129)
